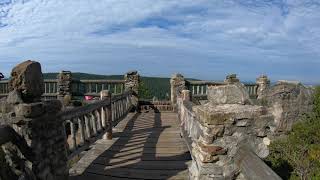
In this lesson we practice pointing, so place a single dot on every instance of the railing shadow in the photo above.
(134, 155)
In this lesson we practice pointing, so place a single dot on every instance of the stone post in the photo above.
(177, 85)
(186, 95)
(132, 80)
(64, 87)
(37, 123)
(107, 113)
(231, 79)
(263, 84)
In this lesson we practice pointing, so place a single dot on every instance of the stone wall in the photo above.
(227, 121)
(36, 122)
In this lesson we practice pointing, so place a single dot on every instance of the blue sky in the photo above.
(204, 39)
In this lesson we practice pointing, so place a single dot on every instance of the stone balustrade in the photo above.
(37, 138)
(91, 120)
(76, 87)
(199, 88)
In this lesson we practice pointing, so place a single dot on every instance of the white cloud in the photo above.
(203, 38)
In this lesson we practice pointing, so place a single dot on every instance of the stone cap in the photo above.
(228, 94)
(210, 114)
(231, 78)
(288, 82)
(27, 79)
(132, 72)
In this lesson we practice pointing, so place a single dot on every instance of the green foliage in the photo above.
(317, 102)
(298, 155)
(144, 92)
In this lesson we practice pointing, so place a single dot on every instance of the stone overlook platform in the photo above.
(207, 131)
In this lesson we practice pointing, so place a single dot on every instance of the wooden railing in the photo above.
(199, 89)
(84, 123)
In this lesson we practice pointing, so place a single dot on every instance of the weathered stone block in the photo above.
(29, 110)
(228, 94)
(28, 80)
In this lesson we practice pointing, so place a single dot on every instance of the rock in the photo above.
(29, 110)
(14, 97)
(228, 94)
(289, 101)
(27, 79)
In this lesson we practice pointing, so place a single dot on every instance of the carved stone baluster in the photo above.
(109, 121)
(94, 123)
(99, 125)
(73, 143)
(90, 87)
(88, 127)
(81, 130)
(103, 117)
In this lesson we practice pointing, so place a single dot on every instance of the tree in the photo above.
(144, 92)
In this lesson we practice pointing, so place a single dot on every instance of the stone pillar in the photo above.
(64, 87)
(37, 123)
(107, 113)
(177, 85)
(186, 95)
(231, 79)
(263, 84)
(132, 80)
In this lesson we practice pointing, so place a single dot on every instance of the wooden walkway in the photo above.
(145, 146)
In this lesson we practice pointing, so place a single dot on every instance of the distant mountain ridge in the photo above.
(156, 86)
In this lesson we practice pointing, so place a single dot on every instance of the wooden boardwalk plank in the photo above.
(146, 146)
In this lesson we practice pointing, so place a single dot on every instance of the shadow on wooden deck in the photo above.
(149, 147)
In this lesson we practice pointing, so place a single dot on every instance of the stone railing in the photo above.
(50, 86)
(4, 88)
(93, 87)
(78, 87)
(199, 89)
(84, 123)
